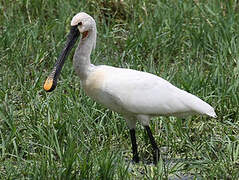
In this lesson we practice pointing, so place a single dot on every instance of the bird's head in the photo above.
(80, 23)
(85, 24)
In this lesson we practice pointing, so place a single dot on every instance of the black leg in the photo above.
(134, 146)
(156, 152)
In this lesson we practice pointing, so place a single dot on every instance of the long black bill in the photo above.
(51, 81)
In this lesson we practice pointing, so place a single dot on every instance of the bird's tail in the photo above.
(200, 106)
(211, 113)
(205, 108)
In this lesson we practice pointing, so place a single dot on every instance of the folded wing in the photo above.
(145, 93)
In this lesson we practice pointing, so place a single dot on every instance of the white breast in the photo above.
(95, 87)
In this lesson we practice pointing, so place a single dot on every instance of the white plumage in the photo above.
(133, 93)
(137, 95)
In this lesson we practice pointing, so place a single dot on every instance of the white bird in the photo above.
(136, 95)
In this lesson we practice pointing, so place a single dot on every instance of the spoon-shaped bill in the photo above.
(51, 81)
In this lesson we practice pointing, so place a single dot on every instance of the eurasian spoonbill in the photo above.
(136, 95)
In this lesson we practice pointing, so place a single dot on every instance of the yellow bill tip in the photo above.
(49, 85)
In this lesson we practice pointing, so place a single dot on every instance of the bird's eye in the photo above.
(80, 23)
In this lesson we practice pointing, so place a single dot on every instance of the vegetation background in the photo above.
(65, 135)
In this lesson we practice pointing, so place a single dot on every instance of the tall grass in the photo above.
(66, 135)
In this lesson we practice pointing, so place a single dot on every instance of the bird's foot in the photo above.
(135, 159)
(156, 156)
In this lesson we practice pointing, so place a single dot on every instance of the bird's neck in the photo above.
(81, 60)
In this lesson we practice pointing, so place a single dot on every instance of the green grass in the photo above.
(66, 135)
